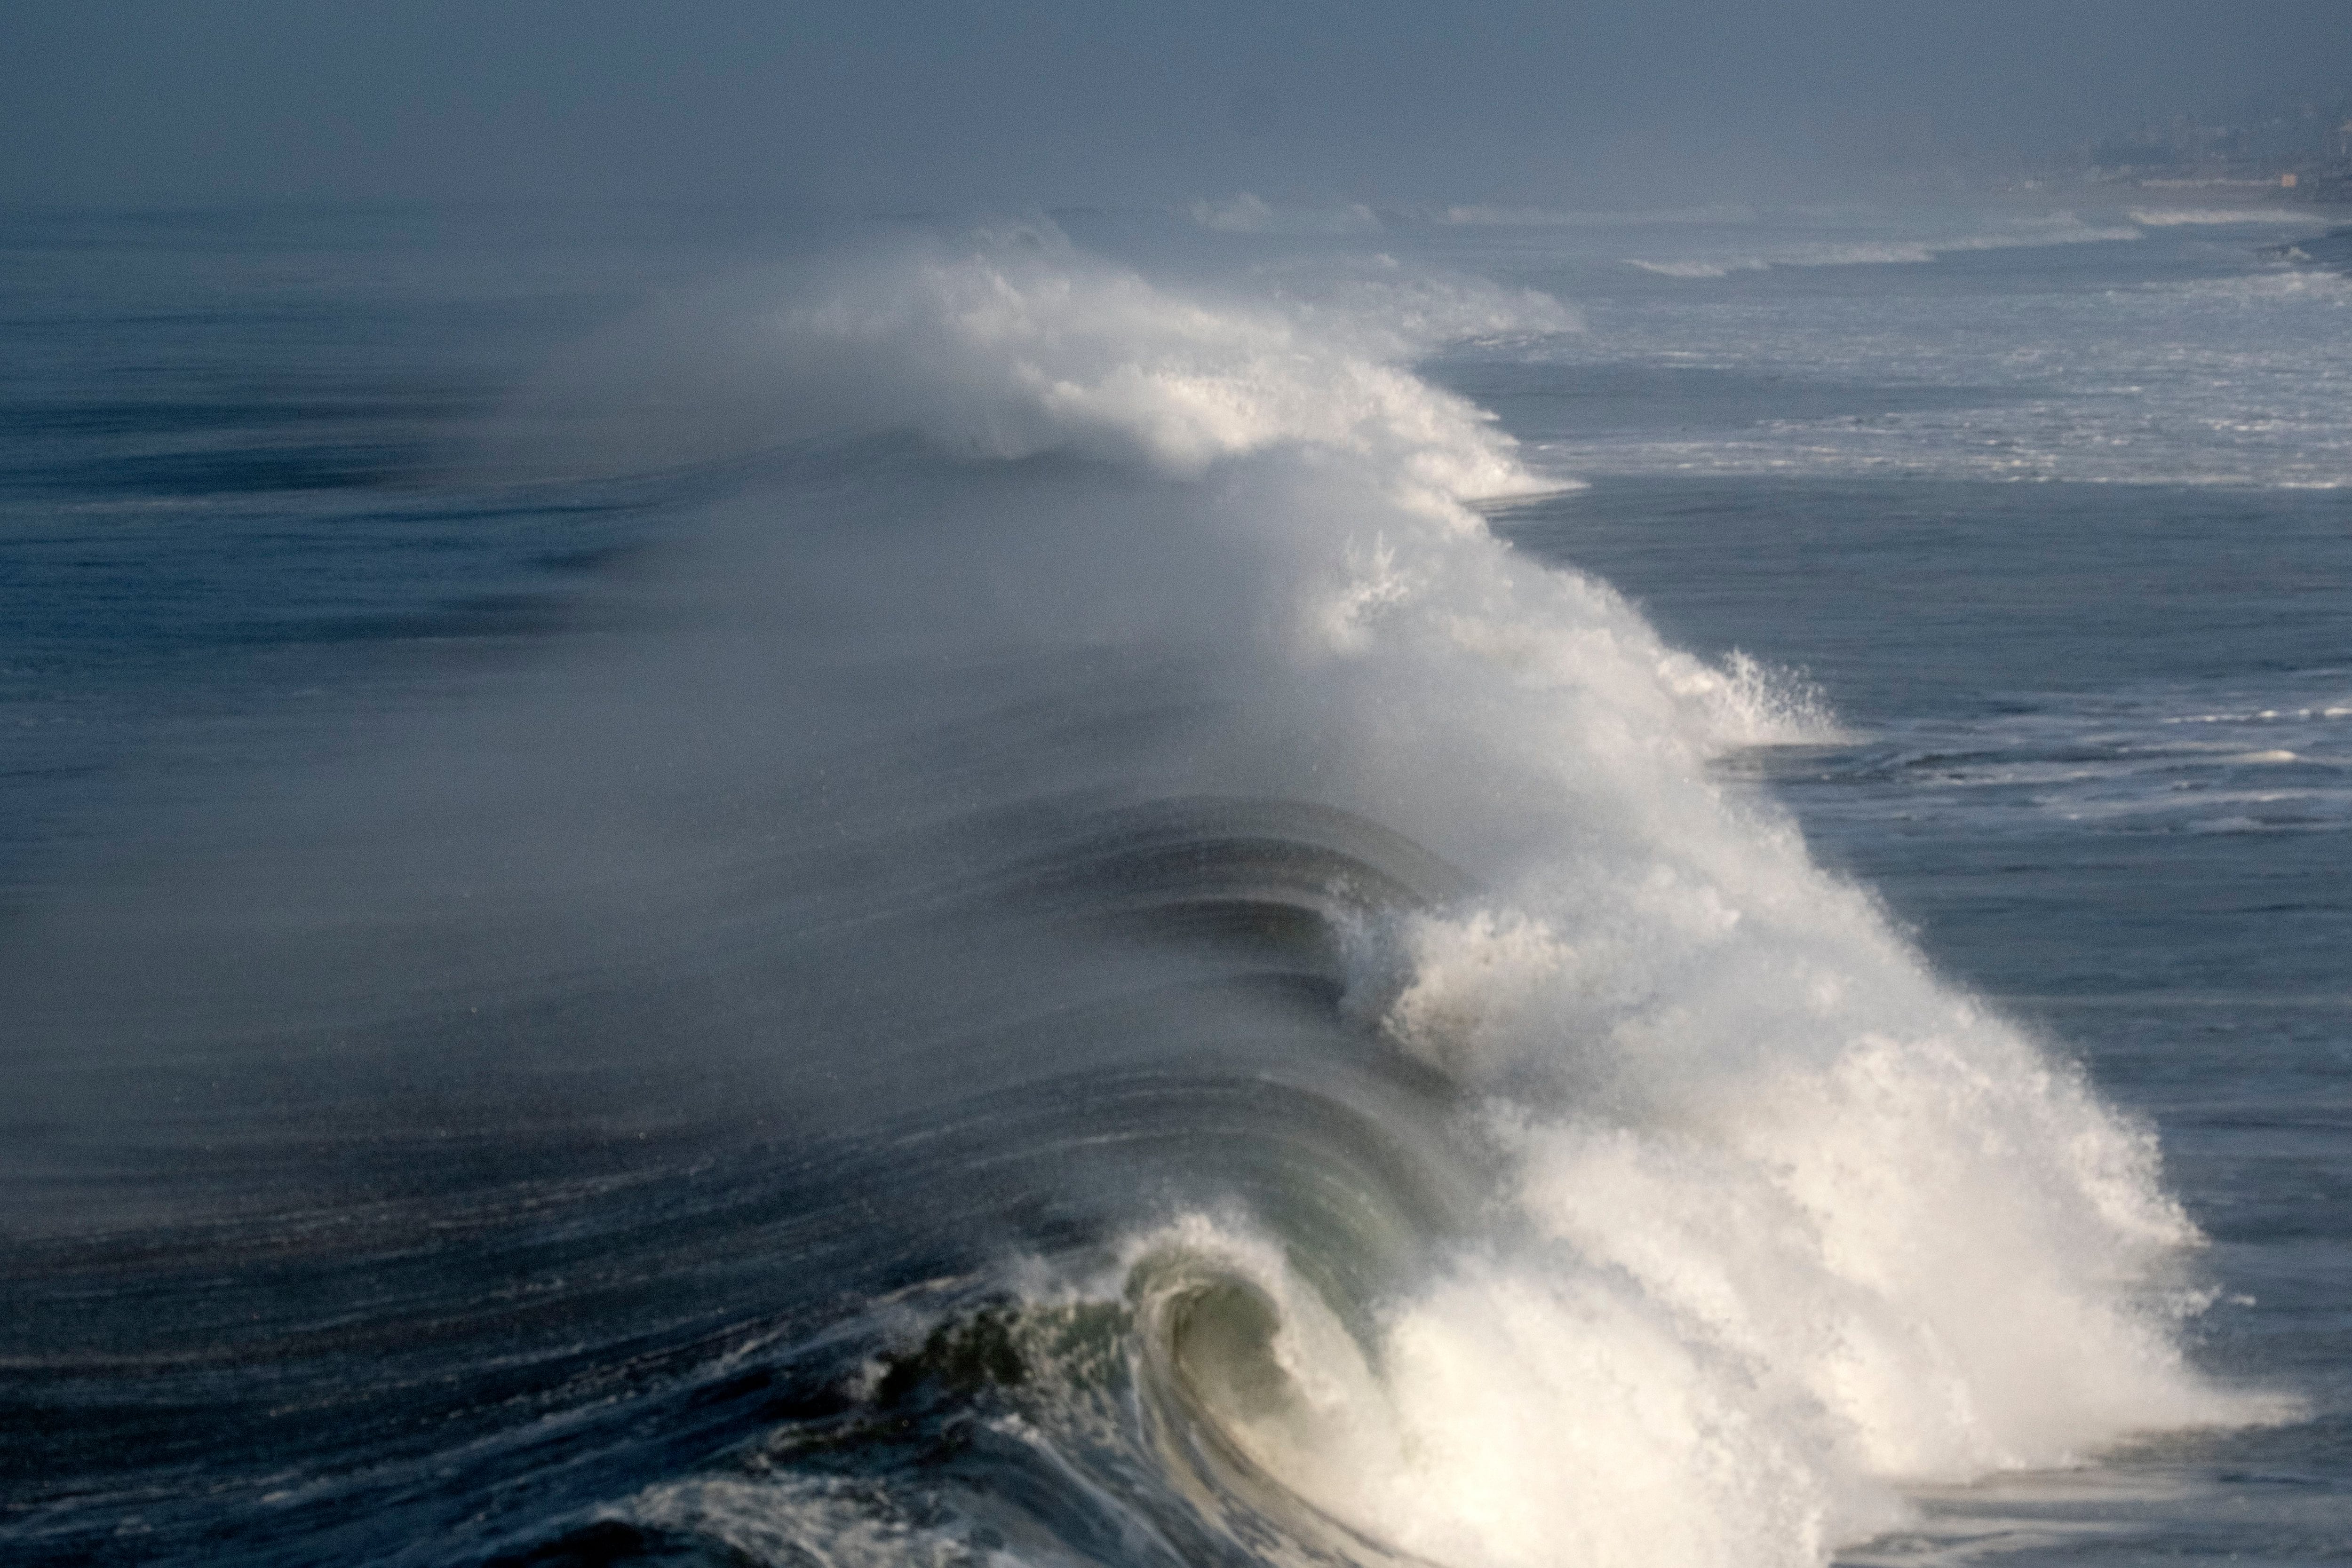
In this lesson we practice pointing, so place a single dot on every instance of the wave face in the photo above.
(1142, 988)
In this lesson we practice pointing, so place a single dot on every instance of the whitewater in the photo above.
(1084, 937)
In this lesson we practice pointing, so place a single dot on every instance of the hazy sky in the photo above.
(919, 103)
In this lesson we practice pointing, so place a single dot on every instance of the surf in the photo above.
(1285, 1040)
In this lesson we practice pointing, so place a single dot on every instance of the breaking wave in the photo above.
(1290, 1049)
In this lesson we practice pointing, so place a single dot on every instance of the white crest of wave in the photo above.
(1013, 346)
(1701, 269)
(1010, 343)
(1861, 253)
(1489, 216)
(2183, 217)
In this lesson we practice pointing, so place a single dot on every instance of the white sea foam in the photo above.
(1486, 216)
(2230, 379)
(1016, 345)
(2179, 217)
(839, 1521)
(2313, 284)
(1700, 268)
(1863, 252)
(2160, 760)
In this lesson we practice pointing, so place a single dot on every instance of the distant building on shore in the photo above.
(2304, 152)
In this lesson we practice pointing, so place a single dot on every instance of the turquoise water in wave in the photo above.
(628, 942)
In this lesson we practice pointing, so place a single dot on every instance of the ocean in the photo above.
(1255, 884)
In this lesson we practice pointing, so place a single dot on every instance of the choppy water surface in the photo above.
(1473, 888)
